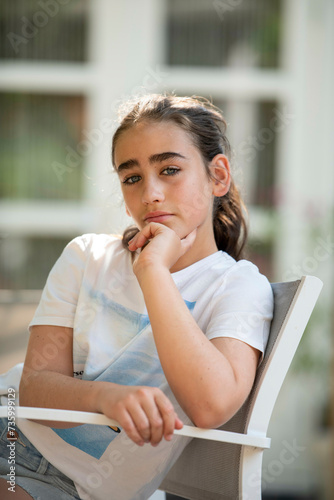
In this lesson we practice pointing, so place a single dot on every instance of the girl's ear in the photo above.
(221, 175)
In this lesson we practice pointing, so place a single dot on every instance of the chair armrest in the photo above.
(254, 440)
(82, 417)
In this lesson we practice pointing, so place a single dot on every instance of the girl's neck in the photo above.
(197, 252)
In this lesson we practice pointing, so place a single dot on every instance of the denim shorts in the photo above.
(33, 472)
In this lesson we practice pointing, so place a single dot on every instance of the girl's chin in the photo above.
(181, 232)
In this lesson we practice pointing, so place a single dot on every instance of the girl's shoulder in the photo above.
(226, 265)
(245, 275)
(95, 247)
(96, 241)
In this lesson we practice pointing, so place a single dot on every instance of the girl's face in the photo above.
(163, 179)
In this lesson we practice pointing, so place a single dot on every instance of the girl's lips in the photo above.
(157, 217)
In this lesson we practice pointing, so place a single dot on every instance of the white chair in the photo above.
(225, 463)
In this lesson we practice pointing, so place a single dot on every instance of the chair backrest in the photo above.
(208, 470)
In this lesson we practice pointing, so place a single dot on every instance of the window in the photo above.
(252, 130)
(43, 30)
(37, 132)
(222, 33)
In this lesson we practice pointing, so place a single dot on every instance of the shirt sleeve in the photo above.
(243, 307)
(60, 295)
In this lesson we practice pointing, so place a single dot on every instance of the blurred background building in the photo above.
(65, 65)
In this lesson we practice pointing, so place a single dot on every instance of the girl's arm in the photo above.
(210, 379)
(145, 413)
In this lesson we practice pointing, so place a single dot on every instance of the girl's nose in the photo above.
(152, 192)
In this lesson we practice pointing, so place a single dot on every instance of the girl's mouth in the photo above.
(157, 216)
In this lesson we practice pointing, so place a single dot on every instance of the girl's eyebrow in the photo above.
(165, 156)
(127, 164)
(156, 158)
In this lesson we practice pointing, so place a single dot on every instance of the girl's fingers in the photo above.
(130, 426)
(152, 417)
(156, 427)
(137, 241)
(169, 417)
(144, 235)
(143, 424)
(152, 230)
(178, 423)
(188, 241)
(145, 413)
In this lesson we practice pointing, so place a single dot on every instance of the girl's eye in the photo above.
(171, 171)
(131, 180)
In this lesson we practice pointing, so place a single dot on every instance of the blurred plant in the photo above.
(266, 38)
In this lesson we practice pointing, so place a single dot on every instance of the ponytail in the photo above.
(229, 223)
(128, 234)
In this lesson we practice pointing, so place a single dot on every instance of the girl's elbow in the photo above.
(211, 418)
(216, 413)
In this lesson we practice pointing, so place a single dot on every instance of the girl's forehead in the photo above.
(147, 135)
(166, 128)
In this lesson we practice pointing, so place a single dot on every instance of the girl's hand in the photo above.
(163, 246)
(144, 413)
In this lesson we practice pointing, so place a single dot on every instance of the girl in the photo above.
(162, 327)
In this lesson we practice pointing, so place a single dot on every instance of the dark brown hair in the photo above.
(206, 126)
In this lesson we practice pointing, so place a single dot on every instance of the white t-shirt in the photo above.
(92, 289)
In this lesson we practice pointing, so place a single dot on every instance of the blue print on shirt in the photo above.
(92, 439)
(135, 319)
(137, 364)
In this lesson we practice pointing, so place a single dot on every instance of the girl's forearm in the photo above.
(48, 389)
(144, 413)
(195, 369)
